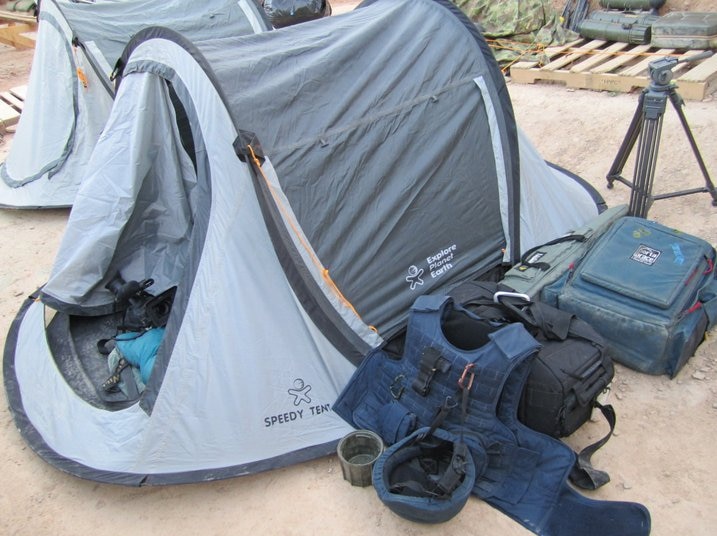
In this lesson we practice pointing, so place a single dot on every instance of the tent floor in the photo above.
(73, 342)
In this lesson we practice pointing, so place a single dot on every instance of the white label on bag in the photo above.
(645, 255)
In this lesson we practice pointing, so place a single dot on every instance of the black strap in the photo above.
(441, 414)
(583, 474)
(552, 323)
(414, 485)
(431, 362)
(556, 324)
(455, 473)
(456, 470)
(104, 347)
(109, 390)
(117, 396)
(544, 265)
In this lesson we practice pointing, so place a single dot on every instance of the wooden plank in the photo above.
(622, 59)
(12, 100)
(641, 67)
(15, 35)
(701, 72)
(8, 115)
(524, 75)
(685, 65)
(596, 59)
(570, 58)
(549, 52)
(14, 16)
(698, 82)
(32, 36)
(20, 92)
(695, 91)
(615, 82)
(619, 67)
(570, 79)
(530, 76)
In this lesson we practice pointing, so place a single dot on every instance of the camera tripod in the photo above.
(646, 126)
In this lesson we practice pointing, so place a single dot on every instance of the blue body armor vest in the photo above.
(519, 471)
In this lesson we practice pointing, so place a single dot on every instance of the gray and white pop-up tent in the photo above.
(300, 188)
(70, 93)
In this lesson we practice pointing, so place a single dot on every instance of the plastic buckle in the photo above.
(396, 388)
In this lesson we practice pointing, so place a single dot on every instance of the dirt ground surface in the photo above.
(662, 454)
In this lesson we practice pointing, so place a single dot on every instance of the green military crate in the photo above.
(633, 28)
(684, 29)
(632, 4)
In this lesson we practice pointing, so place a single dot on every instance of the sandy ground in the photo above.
(662, 455)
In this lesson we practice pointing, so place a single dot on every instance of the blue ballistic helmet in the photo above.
(426, 477)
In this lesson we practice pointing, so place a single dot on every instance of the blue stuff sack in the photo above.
(141, 349)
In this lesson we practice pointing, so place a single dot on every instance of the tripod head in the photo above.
(661, 70)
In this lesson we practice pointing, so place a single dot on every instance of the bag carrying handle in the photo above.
(544, 265)
(515, 306)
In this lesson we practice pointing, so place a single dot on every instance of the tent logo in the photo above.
(442, 261)
(414, 276)
(300, 392)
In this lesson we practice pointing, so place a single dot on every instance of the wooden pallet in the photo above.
(11, 104)
(602, 65)
(18, 30)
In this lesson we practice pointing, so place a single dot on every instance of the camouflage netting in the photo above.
(517, 29)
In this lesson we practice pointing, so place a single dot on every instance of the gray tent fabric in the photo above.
(70, 89)
(301, 188)
(356, 109)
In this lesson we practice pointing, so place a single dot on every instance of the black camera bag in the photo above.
(563, 386)
(569, 373)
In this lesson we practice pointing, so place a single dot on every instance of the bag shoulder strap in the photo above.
(583, 474)
(493, 301)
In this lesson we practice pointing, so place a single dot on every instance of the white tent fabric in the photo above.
(552, 202)
(60, 123)
(262, 338)
(70, 92)
(259, 418)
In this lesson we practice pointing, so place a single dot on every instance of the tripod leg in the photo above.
(654, 104)
(633, 131)
(648, 147)
(677, 103)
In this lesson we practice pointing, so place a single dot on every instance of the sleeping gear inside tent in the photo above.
(300, 188)
(70, 92)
